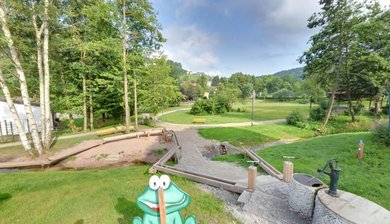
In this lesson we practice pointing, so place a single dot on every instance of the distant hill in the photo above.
(296, 72)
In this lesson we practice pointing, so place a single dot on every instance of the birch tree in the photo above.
(48, 119)
(22, 79)
(15, 116)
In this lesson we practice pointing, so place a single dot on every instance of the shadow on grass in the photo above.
(128, 210)
(5, 196)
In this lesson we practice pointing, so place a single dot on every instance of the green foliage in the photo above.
(203, 107)
(158, 89)
(222, 104)
(317, 114)
(303, 101)
(358, 108)
(294, 117)
(381, 132)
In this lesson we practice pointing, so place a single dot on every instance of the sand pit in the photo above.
(125, 152)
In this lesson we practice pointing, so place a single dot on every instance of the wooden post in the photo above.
(360, 150)
(288, 170)
(252, 173)
(161, 206)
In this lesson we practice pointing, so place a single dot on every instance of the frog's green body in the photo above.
(175, 200)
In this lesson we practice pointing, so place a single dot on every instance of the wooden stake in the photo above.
(288, 170)
(252, 173)
(161, 206)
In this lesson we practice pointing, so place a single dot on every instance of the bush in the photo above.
(303, 101)
(385, 110)
(202, 107)
(381, 132)
(358, 108)
(323, 103)
(302, 125)
(317, 114)
(219, 105)
(294, 117)
(222, 105)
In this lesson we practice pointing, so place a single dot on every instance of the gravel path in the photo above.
(268, 203)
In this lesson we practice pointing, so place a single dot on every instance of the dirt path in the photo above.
(192, 159)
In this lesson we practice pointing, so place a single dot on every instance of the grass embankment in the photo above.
(93, 196)
(256, 135)
(57, 145)
(263, 110)
(368, 177)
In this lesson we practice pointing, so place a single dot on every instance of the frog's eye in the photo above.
(154, 182)
(164, 182)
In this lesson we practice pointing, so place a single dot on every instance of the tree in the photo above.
(326, 56)
(15, 115)
(22, 79)
(157, 88)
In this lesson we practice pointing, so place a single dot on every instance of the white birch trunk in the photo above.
(22, 80)
(15, 116)
(125, 81)
(48, 117)
(90, 111)
(38, 39)
(85, 127)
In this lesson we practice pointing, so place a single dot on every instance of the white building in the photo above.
(7, 124)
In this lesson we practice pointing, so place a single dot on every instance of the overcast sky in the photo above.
(221, 37)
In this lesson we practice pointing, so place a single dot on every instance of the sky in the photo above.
(221, 37)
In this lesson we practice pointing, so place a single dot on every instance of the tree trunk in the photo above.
(376, 105)
(351, 111)
(38, 36)
(15, 116)
(22, 80)
(135, 102)
(85, 116)
(369, 104)
(90, 112)
(48, 117)
(125, 81)
(336, 86)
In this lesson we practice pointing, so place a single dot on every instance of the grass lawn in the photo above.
(264, 110)
(368, 177)
(92, 196)
(59, 145)
(256, 135)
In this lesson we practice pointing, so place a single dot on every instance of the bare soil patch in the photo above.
(125, 152)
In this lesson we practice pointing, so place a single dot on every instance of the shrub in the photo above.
(200, 107)
(317, 114)
(302, 125)
(358, 108)
(381, 132)
(294, 117)
(303, 101)
(222, 105)
(385, 110)
(323, 103)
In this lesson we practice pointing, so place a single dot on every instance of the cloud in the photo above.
(192, 47)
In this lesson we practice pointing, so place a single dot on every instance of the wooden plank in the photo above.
(167, 156)
(84, 146)
(200, 179)
(25, 164)
(201, 174)
(265, 165)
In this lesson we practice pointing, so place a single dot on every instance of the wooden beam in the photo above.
(201, 179)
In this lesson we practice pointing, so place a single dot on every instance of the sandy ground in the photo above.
(127, 152)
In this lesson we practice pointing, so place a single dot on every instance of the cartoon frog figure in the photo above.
(174, 198)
